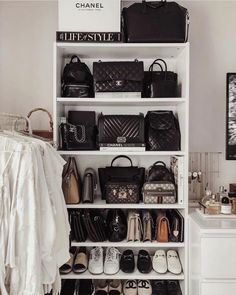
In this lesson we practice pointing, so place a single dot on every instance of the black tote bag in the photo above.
(155, 22)
(162, 83)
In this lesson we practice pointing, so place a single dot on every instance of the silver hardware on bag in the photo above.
(73, 129)
(119, 83)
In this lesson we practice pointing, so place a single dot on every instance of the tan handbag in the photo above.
(71, 182)
(135, 229)
(162, 228)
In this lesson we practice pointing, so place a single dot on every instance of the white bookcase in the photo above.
(177, 58)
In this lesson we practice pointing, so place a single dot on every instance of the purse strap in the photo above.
(122, 156)
(156, 62)
(74, 57)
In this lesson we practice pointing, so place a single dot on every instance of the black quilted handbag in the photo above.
(117, 174)
(77, 80)
(156, 21)
(162, 131)
(122, 76)
(121, 130)
(159, 83)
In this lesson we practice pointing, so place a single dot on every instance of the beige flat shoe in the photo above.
(80, 264)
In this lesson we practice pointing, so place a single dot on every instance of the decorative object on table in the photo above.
(47, 134)
(123, 131)
(117, 225)
(71, 182)
(80, 37)
(231, 117)
(162, 131)
(77, 80)
(116, 174)
(160, 83)
(89, 15)
(225, 206)
(156, 22)
(89, 185)
(79, 133)
(118, 76)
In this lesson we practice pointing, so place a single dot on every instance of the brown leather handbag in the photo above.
(71, 182)
(162, 227)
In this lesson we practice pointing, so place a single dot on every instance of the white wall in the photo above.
(27, 32)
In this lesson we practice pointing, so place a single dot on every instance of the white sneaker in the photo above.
(173, 262)
(96, 261)
(159, 262)
(130, 287)
(112, 261)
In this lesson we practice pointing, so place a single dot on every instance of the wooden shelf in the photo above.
(69, 101)
(125, 244)
(101, 204)
(122, 50)
(136, 275)
(114, 153)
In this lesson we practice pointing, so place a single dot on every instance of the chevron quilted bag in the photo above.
(159, 192)
(121, 130)
(122, 76)
(162, 131)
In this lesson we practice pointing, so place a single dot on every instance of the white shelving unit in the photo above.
(177, 58)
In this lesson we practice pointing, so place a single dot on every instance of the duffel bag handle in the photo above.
(152, 5)
(74, 57)
(122, 156)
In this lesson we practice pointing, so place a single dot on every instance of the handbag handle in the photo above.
(43, 110)
(73, 57)
(151, 5)
(156, 62)
(122, 156)
(159, 162)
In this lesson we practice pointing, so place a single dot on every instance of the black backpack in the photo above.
(159, 172)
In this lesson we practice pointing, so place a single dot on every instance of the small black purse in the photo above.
(122, 76)
(80, 131)
(121, 130)
(162, 131)
(160, 83)
(130, 174)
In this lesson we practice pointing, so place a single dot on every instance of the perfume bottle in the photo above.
(214, 206)
(226, 206)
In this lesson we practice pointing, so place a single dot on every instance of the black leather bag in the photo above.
(77, 80)
(95, 225)
(78, 230)
(159, 172)
(117, 225)
(80, 131)
(122, 76)
(157, 21)
(121, 130)
(160, 83)
(130, 174)
(162, 131)
(176, 225)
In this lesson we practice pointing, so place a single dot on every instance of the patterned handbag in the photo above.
(121, 192)
(159, 192)
(122, 76)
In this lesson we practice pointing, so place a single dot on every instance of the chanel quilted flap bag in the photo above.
(159, 192)
(122, 76)
(126, 130)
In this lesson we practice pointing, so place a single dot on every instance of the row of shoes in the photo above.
(96, 264)
(117, 287)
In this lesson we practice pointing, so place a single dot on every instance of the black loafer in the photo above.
(127, 261)
(144, 263)
(173, 288)
(159, 288)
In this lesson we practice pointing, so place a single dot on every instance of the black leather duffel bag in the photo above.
(156, 22)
